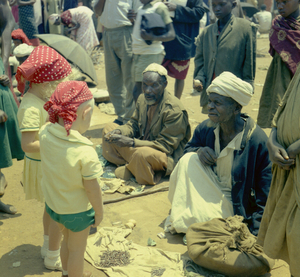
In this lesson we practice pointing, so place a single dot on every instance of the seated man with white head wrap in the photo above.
(151, 142)
(226, 169)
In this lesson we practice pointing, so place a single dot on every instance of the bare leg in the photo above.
(54, 236)
(179, 85)
(64, 252)
(46, 222)
(3, 183)
(137, 90)
(76, 247)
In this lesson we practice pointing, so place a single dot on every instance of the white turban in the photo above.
(155, 67)
(23, 50)
(52, 18)
(227, 84)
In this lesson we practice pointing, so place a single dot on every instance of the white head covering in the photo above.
(23, 50)
(53, 17)
(155, 67)
(227, 84)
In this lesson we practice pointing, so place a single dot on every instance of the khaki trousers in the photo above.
(145, 163)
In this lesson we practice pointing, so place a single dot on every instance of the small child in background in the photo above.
(70, 168)
(44, 69)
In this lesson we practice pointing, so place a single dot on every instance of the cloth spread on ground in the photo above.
(228, 247)
(279, 230)
(285, 40)
(143, 261)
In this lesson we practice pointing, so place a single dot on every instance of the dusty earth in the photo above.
(21, 234)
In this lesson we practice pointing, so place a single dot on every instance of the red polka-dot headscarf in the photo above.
(20, 35)
(65, 100)
(43, 65)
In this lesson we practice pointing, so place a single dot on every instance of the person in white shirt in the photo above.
(264, 19)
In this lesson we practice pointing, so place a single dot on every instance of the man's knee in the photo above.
(108, 128)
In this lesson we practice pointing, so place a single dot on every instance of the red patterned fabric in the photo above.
(66, 17)
(65, 100)
(43, 65)
(19, 34)
(285, 40)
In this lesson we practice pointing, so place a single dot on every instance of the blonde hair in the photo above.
(46, 89)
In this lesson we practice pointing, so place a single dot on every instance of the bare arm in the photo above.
(29, 143)
(168, 36)
(94, 195)
(99, 7)
(6, 27)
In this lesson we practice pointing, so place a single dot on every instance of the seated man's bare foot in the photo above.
(9, 209)
(3, 183)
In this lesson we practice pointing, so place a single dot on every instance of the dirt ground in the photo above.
(21, 234)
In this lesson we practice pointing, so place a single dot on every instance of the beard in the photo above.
(150, 102)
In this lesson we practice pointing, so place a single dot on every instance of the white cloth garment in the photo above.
(264, 19)
(199, 193)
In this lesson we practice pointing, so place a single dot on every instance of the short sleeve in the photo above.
(29, 119)
(90, 165)
(162, 10)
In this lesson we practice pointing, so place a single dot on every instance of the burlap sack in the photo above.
(227, 247)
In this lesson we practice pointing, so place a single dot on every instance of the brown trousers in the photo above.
(146, 164)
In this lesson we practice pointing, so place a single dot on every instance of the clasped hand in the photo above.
(118, 139)
(147, 36)
(4, 80)
(207, 156)
(285, 159)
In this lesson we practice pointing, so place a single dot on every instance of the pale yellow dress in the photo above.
(279, 231)
(32, 117)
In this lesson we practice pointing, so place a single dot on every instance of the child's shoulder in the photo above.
(31, 101)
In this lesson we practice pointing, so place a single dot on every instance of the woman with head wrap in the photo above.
(44, 69)
(226, 168)
(81, 26)
(19, 37)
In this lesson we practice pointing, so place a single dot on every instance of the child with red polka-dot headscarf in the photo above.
(44, 69)
(70, 168)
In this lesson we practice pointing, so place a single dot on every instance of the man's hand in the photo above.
(197, 85)
(146, 36)
(4, 80)
(207, 156)
(121, 141)
(3, 116)
(109, 134)
(279, 155)
(131, 15)
(171, 6)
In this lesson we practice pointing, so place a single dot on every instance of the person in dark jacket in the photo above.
(226, 169)
(180, 50)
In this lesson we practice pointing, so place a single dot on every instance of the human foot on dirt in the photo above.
(8, 209)
(3, 183)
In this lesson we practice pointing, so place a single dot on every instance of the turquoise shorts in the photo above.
(74, 222)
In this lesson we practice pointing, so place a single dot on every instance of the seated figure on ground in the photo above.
(151, 142)
(226, 169)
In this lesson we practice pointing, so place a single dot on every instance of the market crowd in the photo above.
(227, 167)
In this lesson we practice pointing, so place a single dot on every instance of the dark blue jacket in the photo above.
(251, 169)
(186, 25)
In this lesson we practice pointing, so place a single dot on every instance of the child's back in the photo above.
(66, 161)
